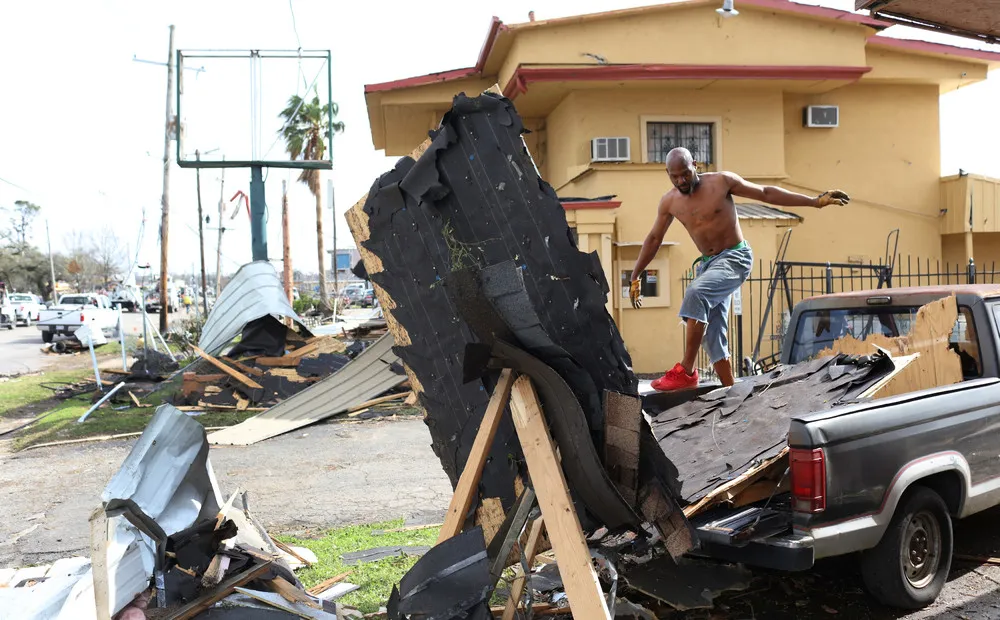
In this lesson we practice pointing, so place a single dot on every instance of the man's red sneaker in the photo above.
(676, 379)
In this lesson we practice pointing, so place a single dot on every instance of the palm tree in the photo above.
(307, 124)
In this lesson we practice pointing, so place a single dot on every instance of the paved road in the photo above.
(300, 483)
(20, 348)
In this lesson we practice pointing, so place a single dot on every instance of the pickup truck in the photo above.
(76, 310)
(27, 307)
(884, 478)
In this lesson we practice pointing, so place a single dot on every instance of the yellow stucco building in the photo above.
(799, 96)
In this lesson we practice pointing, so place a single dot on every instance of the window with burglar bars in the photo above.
(695, 137)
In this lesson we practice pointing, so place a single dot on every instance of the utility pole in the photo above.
(222, 229)
(336, 280)
(52, 265)
(201, 236)
(286, 248)
(165, 217)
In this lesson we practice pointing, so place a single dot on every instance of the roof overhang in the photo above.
(975, 19)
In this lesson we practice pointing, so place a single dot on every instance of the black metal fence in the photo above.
(759, 314)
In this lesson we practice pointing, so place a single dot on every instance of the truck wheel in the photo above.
(909, 566)
(46, 337)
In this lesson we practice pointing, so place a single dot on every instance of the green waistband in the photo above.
(702, 259)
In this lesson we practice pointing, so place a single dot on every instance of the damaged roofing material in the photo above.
(254, 292)
(473, 200)
(371, 373)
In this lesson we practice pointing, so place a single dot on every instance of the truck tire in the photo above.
(909, 566)
(46, 337)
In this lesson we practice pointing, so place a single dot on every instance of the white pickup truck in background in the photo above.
(76, 310)
(28, 307)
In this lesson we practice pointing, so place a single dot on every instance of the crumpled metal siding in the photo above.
(372, 372)
(254, 291)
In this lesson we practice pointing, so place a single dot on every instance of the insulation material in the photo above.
(936, 364)
(467, 201)
(254, 292)
(371, 373)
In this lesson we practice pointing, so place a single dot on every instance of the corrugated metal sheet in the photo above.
(254, 291)
(749, 211)
(374, 371)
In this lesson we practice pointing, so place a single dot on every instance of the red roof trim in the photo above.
(592, 204)
(422, 80)
(523, 76)
(934, 48)
(496, 26)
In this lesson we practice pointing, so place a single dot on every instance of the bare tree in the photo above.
(108, 254)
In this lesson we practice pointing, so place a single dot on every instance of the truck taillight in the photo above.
(808, 479)
(83, 317)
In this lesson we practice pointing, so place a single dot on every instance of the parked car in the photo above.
(885, 477)
(354, 296)
(27, 307)
(76, 310)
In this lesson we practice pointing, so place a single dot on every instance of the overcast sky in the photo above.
(81, 122)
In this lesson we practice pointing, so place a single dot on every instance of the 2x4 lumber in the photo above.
(250, 370)
(323, 586)
(583, 589)
(468, 481)
(292, 594)
(279, 362)
(99, 562)
(235, 374)
(379, 401)
(517, 588)
(227, 587)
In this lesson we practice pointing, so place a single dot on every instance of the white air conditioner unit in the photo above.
(610, 149)
(821, 116)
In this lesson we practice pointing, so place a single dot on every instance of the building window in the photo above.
(695, 137)
(649, 283)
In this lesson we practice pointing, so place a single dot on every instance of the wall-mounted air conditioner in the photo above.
(821, 116)
(610, 149)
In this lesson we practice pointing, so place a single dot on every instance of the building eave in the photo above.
(935, 49)
(523, 76)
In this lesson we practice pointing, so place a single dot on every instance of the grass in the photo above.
(21, 391)
(375, 578)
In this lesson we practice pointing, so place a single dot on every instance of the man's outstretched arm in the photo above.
(782, 197)
(649, 249)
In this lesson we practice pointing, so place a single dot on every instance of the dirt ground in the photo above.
(361, 472)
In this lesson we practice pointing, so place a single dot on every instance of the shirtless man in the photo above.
(703, 203)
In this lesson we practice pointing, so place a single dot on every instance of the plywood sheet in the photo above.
(936, 364)
(372, 372)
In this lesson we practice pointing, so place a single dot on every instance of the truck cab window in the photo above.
(818, 329)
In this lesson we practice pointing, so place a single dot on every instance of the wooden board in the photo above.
(575, 567)
(937, 364)
(468, 482)
(730, 490)
(622, 423)
(250, 383)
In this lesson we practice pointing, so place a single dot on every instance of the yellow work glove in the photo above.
(634, 294)
(832, 197)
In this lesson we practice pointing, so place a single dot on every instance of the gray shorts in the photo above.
(706, 299)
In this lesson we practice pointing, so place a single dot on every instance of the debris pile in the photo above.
(478, 275)
(165, 545)
(258, 357)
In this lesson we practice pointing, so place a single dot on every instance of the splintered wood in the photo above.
(936, 364)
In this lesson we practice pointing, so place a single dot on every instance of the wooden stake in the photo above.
(322, 587)
(250, 383)
(517, 588)
(99, 562)
(565, 533)
(465, 490)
